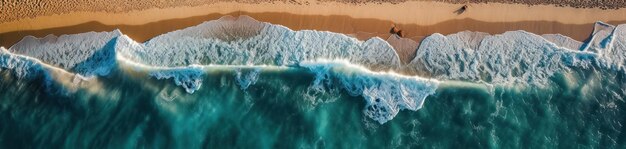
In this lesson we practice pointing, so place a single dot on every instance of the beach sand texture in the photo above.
(142, 20)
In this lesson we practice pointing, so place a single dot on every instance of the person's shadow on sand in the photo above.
(461, 10)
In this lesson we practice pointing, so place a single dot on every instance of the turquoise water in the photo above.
(240, 83)
(279, 110)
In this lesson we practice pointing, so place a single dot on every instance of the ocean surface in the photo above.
(240, 83)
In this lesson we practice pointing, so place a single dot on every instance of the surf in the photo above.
(370, 69)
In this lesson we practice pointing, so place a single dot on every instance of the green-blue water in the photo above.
(280, 111)
(240, 83)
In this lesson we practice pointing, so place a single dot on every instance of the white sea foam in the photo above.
(245, 78)
(511, 58)
(89, 53)
(515, 57)
(20, 66)
(189, 78)
(28, 68)
(601, 37)
(274, 45)
(385, 93)
(614, 56)
(563, 41)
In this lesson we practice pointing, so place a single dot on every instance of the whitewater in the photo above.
(507, 90)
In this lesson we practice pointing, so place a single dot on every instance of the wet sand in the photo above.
(365, 28)
(360, 28)
(416, 19)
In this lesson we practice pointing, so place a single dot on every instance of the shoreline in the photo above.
(360, 28)
(363, 21)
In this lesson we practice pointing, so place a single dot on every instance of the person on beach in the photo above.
(461, 10)
(396, 30)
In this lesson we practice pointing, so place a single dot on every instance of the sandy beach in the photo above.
(187, 74)
(417, 19)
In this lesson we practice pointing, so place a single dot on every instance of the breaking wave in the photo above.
(361, 68)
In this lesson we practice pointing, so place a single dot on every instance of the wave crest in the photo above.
(511, 58)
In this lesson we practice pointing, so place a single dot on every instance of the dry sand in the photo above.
(415, 12)
(416, 18)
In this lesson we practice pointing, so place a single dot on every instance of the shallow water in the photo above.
(207, 87)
